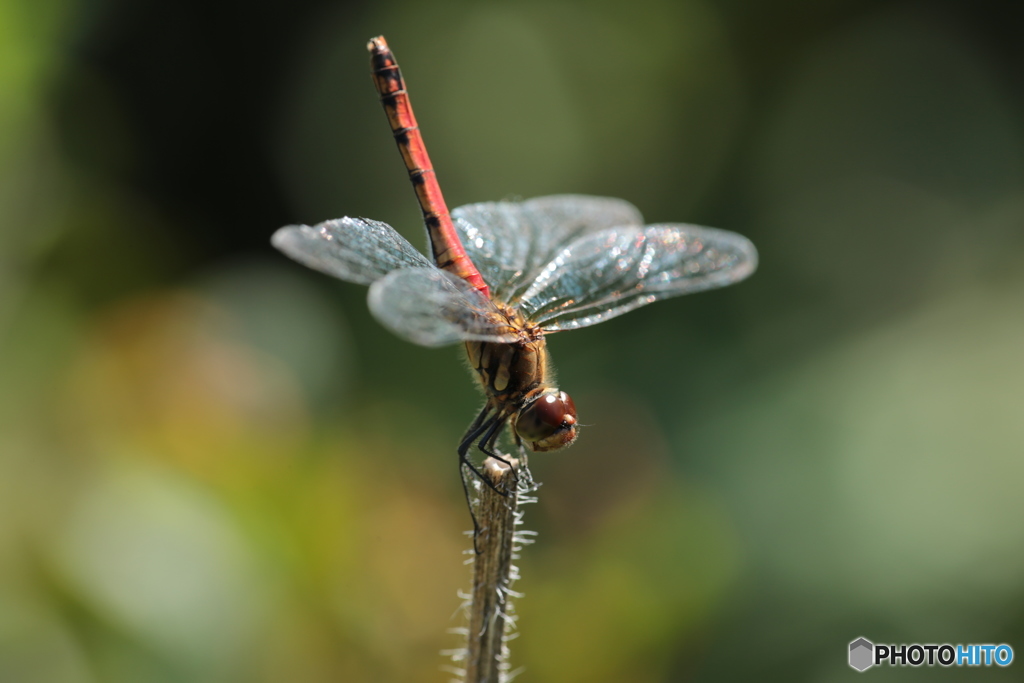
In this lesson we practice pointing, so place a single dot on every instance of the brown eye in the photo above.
(549, 422)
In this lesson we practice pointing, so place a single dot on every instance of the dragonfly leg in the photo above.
(487, 445)
(485, 427)
(464, 450)
(469, 504)
(483, 422)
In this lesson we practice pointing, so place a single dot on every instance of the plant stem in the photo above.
(491, 615)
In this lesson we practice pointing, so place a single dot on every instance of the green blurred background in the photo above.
(216, 467)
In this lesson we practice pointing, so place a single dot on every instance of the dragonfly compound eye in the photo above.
(549, 423)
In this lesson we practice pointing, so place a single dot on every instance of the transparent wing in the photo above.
(510, 242)
(614, 271)
(432, 307)
(354, 249)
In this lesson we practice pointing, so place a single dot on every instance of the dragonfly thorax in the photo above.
(509, 372)
(519, 384)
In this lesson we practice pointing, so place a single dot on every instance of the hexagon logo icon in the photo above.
(862, 653)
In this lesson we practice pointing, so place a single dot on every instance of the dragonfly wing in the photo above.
(614, 271)
(432, 307)
(510, 242)
(359, 250)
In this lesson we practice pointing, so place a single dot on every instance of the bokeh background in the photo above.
(216, 467)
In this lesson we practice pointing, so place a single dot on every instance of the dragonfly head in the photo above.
(549, 423)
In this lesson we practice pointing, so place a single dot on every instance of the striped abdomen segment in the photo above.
(447, 248)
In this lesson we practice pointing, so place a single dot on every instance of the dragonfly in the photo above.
(504, 275)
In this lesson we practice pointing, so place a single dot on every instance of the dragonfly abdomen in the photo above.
(447, 249)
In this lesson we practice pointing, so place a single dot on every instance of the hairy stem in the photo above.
(491, 615)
